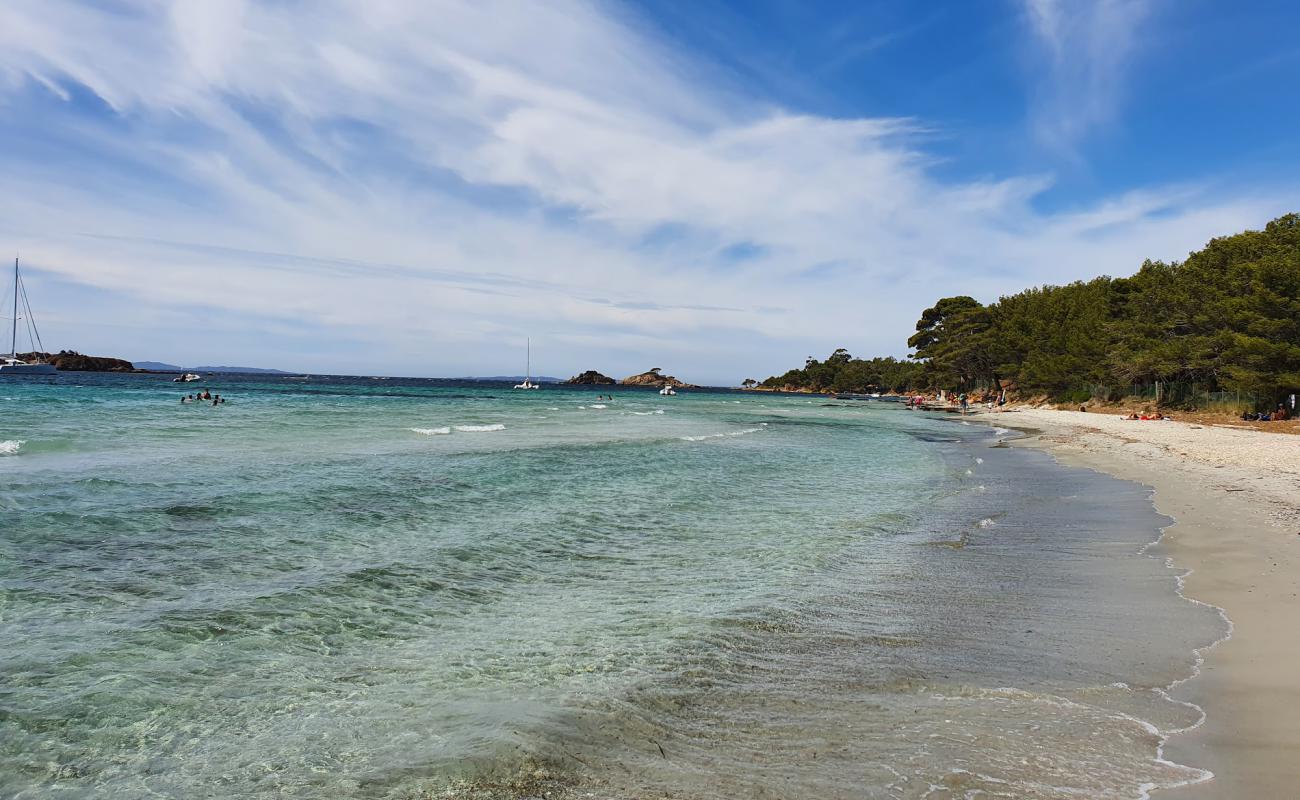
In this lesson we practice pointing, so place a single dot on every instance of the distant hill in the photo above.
(515, 378)
(158, 366)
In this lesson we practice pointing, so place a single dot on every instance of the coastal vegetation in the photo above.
(1226, 319)
(841, 372)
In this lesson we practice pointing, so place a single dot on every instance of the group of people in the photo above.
(962, 400)
(604, 397)
(1279, 414)
(203, 397)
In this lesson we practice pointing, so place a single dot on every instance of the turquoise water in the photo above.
(385, 588)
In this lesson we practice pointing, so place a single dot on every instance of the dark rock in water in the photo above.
(591, 378)
(69, 360)
(653, 378)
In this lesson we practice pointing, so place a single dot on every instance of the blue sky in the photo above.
(717, 188)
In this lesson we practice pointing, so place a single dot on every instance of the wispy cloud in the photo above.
(1081, 68)
(428, 182)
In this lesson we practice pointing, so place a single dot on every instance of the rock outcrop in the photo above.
(655, 379)
(69, 360)
(591, 378)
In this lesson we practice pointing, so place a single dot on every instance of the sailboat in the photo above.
(11, 365)
(528, 369)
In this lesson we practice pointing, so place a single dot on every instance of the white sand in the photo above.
(1235, 494)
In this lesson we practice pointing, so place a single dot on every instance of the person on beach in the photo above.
(961, 400)
(1280, 415)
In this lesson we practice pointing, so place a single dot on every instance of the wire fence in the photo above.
(1182, 395)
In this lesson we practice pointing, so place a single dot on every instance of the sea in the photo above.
(342, 587)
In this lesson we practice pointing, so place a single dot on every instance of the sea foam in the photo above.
(432, 431)
(719, 435)
(9, 447)
(480, 428)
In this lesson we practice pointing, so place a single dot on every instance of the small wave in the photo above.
(599, 405)
(979, 461)
(432, 431)
(9, 447)
(719, 435)
(552, 408)
(987, 522)
(480, 428)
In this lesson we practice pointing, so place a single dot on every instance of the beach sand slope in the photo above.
(1235, 496)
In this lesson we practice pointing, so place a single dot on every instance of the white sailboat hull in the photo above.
(528, 373)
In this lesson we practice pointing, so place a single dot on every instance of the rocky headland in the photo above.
(72, 361)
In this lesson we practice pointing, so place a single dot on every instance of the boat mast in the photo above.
(528, 360)
(13, 335)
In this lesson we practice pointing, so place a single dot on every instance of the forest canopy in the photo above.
(1227, 319)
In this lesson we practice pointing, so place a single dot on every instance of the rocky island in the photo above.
(591, 378)
(72, 361)
(658, 381)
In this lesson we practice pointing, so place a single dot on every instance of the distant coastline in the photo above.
(158, 366)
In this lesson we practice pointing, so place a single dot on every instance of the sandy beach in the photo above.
(1235, 497)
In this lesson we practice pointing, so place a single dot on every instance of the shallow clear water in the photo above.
(373, 588)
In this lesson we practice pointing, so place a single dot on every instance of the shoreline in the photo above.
(1234, 497)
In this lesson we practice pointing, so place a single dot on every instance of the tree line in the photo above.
(1227, 319)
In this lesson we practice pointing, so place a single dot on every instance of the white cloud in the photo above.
(426, 183)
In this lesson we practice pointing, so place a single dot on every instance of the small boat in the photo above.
(188, 377)
(528, 368)
(667, 391)
(12, 365)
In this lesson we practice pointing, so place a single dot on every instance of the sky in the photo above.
(720, 189)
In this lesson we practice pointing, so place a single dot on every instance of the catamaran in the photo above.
(11, 364)
(528, 369)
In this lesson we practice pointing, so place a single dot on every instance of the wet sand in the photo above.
(1235, 496)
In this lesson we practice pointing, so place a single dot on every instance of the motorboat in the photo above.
(188, 377)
